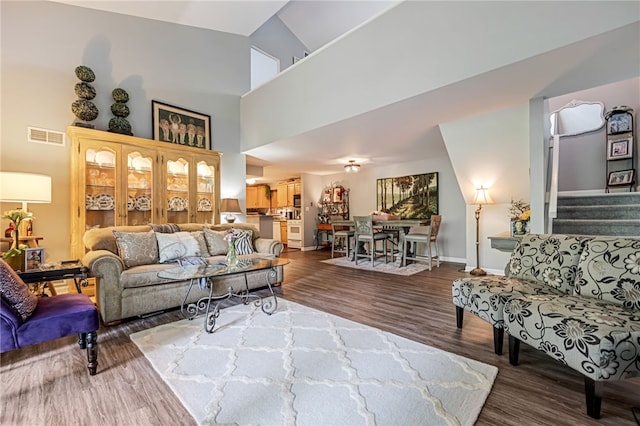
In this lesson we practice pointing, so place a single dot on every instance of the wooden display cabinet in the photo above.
(123, 180)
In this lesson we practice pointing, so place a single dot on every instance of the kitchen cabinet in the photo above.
(123, 180)
(283, 231)
(257, 197)
(286, 191)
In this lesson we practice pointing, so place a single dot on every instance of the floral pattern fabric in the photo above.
(609, 270)
(600, 340)
(486, 296)
(548, 259)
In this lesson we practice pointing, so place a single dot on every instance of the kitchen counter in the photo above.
(264, 224)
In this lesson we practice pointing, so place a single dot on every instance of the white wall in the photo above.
(43, 42)
(490, 150)
(441, 43)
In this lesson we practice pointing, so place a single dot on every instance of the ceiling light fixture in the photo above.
(352, 167)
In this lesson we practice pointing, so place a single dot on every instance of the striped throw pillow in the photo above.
(244, 241)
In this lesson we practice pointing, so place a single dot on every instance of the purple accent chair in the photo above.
(54, 317)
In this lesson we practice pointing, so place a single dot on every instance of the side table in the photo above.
(55, 272)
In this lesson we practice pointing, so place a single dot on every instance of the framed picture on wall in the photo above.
(618, 149)
(180, 126)
(622, 177)
(410, 197)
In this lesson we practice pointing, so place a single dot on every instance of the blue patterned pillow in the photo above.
(244, 241)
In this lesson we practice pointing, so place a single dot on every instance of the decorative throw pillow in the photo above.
(176, 246)
(548, 259)
(244, 241)
(216, 242)
(609, 270)
(165, 228)
(137, 248)
(15, 292)
(203, 250)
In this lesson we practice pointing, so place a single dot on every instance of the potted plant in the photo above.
(520, 212)
(13, 256)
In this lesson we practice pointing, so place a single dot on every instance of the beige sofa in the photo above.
(127, 282)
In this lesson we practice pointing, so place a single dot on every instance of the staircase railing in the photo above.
(552, 193)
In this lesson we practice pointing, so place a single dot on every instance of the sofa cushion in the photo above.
(136, 248)
(609, 270)
(216, 242)
(177, 245)
(598, 339)
(15, 292)
(165, 228)
(243, 241)
(486, 296)
(547, 259)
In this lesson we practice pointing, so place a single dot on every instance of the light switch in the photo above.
(306, 209)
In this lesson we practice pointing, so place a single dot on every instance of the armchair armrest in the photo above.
(267, 245)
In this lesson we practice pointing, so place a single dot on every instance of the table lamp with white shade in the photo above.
(24, 188)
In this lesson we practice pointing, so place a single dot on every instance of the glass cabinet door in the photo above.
(100, 179)
(205, 189)
(139, 187)
(177, 190)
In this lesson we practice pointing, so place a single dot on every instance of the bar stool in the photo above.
(365, 233)
(417, 234)
(341, 240)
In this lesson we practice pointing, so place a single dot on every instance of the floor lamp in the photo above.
(482, 197)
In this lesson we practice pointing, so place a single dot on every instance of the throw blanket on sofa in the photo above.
(194, 260)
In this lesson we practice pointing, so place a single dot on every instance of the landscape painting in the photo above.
(410, 197)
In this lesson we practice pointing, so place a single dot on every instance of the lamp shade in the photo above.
(482, 196)
(230, 205)
(25, 187)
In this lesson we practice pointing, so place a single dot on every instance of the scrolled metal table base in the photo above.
(268, 304)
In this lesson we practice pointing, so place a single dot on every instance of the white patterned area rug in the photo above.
(387, 268)
(300, 366)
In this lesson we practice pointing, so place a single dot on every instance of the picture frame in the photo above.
(621, 177)
(619, 122)
(180, 126)
(621, 148)
(410, 197)
(33, 258)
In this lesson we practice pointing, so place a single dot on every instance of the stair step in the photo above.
(618, 228)
(620, 198)
(621, 211)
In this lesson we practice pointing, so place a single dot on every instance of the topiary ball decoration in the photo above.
(85, 73)
(84, 110)
(119, 123)
(120, 110)
(120, 95)
(85, 91)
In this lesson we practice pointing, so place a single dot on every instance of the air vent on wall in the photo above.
(51, 137)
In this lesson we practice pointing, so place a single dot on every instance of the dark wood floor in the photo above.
(48, 383)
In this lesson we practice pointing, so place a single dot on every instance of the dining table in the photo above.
(402, 225)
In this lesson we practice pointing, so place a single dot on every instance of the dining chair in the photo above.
(417, 234)
(364, 233)
(341, 242)
(436, 219)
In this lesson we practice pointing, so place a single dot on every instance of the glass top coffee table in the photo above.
(203, 275)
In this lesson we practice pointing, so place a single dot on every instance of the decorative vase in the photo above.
(232, 258)
(519, 227)
(16, 236)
